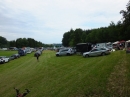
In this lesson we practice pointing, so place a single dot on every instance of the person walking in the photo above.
(37, 56)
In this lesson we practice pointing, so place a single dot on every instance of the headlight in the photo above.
(84, 54)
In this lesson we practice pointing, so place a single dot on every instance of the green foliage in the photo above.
(3, 42)
(77, 36)
(25, 42)
(65, 40)
(126, 15)
(12, 43)
(20, 42)
(111, 33)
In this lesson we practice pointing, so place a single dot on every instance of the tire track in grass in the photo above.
(117, 82)
(75, 78)
(54, 69)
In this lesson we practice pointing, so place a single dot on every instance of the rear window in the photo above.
(64, 50)
(103, 49)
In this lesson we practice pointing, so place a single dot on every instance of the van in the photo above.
(83, 47)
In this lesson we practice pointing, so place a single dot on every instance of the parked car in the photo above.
(29, 51)
(22, 52)
(97, 52)
(4, 59)
(65, 51)
(11, 58)
(15, 56)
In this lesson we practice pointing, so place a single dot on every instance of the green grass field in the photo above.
(67, 76)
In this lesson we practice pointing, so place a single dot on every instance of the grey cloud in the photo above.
(41, 19)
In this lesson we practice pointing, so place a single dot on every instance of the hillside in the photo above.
(67, 76)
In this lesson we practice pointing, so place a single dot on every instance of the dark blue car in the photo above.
(22, 52)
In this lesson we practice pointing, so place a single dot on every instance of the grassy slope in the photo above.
(67, 76)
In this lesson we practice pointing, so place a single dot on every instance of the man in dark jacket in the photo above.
(37, 55)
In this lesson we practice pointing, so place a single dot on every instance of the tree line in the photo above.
(114, 32)
(21, 42)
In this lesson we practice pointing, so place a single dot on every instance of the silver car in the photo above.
(65, 51)
(97, 52)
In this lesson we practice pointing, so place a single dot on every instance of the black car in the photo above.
(11, 57)
(16, 56)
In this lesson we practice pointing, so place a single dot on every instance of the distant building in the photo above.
(13, 48)
(57, 45)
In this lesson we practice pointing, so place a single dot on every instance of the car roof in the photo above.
(65, 48)
(100, 48)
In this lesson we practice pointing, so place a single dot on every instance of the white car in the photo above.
(4, 59)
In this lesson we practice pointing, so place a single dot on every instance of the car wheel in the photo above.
(68, 54)
(86, 56)
(57, 55)
(3, 62)
(103, 54)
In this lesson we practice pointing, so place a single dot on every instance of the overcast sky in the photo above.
(47, 20)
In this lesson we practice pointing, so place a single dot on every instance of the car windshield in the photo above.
(62, 50)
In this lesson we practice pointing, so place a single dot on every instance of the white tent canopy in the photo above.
(116, 42)
(128, 41)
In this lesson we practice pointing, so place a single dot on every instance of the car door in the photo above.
(6, 59)
(94, 52)
(63, 52)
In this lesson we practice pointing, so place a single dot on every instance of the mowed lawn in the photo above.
(67, 76)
